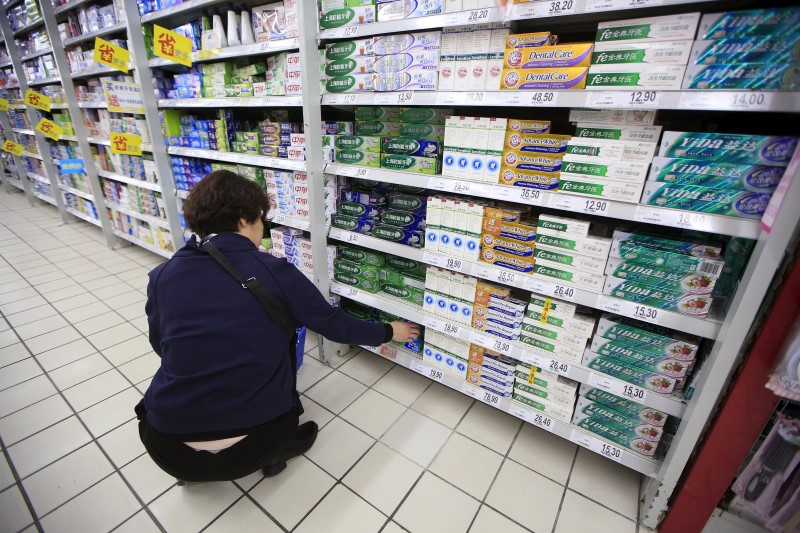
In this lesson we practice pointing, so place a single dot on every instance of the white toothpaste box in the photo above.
(479, 60)
(452, 6)
(446, 225)
(407, 60)
(612, 116)
(406, 9)
(651, 134)
(497, 46)
(577, 261)
(406, 42)
(555, 308)
(588, 167)
(667, 28)
(595, 149)
(562, 227)
(650, 53)
(583, 185)
(636, 76)
(447, 61)
(464, 47)
(558, 271)
(472, 246)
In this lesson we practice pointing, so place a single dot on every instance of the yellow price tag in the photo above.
(172, 46)
(3, 104)
(111, 55)
(126, 144)
(37, 100)
(13, 148)
(532, 375)
(208, 54)
(50, 128)
(546, 311)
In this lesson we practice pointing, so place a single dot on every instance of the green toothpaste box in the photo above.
(694, 305)
(555, 308)
(359, 282)
(429, 132)
(562, 227)
(583, 263)
(368, 272)
(755, 22)
(753, 76)
(549, 333)
(688, 282)
(635, 75)
(778, 49)
(544, 379)
(348, 223)
(626, 407)
(408, 163)
(581, 325)
(630, 355)
(413, 147)
(377, 113)
(584, 280)
(734, 203)
(620, 191)
(424, 115)
(597, 247)
(631, 374)
(667, 28)
(406, 292)
(650, 53)
(354, 157)
(358, 143)
(643, 254)
(676, 344)
(586, 408)
(729, 148)
(399, 235)
(740, 176)
(611, 170)
(619, 132)
(625, 438)
(409, 267)
(708, 250)
(549, 396)
(534, 402)
(357, 210)
(561, 351)
(361, 256)
(378, 128)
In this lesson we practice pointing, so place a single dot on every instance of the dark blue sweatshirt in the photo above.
(224, 364)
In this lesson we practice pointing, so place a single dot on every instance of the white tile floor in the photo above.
(396, 452)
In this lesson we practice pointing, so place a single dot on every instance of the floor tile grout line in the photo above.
(18, 485)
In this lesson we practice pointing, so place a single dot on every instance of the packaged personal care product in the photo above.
(648, 53)
(667, 28)
(562, 55)
(635, 76)
(754, 76)
(619, 132)
(740, 176)
(631, 374)
(729, 148)
(544, 78)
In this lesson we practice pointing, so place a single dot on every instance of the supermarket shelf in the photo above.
(669, 404)
(178, 9)
(130, 181)
(63, 105)
(76, 192)
(34, 24)
(138, 242)
(100, 71)
(11, 86)
(146, 147)
(662, 216)
(262, 101)
(34, 156)
(153, 221)
(38, 177)
(292, 222)
(16, 183)
(48, 50)
(93, 105)
(244, 159)
(99, 33)
(6, 64)
(529, 10)
(234, 52)
(70, 5)
(22, 131)
(69, 138)
(45, 198)
(408, 359)
(708, 328)
(82, 216)
(45, 81)
(774, 101)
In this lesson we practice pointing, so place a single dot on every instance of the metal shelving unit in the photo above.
(235, 157)
(256, 101)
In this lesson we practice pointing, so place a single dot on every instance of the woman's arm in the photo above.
(154, 331)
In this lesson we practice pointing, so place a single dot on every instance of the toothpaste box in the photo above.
(404, 9)
(586, 408)
(762, 22)
(479, 377)
(548, 396)
(525, 40)
(631, 117)
(625, 407)
(507, 246)
(584, 263)
(740, 176)
(423, 115)
(734, 203)
(411, 147)
(668, 28)
(401, 236)
(550, 307)
(350, 83)
(630, 355)
(349, 49)
(519, 231)
(621, 191)
(695, 305)
(404, 291)
(348, 16)
(365, 271)
(562, 227)
(447, 61)
(552, 349)
(512, 262)
(362, 197)
(626, 438)
(626, 132)
(402, 219)
(360, 256)
(729, 148)
(537, 127)
(754, 49)
(676, 345)
(553, 334)
(597, 247)
(635, 75)
(592, 150)
(357, 143)
(334, 127)
(348, 223)
(377, 114)
(631, 374)
(753, 76)
(697, 258)
(578, 278)
(419, 59)
(648, 53)
(408, 163)
(682, 352)
(367, 285)
(531, 179)
(535, 161)
(534, 402)
(356, 157)
(562, 55)
(377, 128)
(689, 281)
(543, 78)
(409, 267)
(707, 250)
(344, 67)
(580, 168)
(406, 42)
(357, 210)
(544, 379)
(430, 132)
(407, 202)
(580, 325)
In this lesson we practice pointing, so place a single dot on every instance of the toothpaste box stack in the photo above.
(349, 66)
(534, 61)
(405, 9)
(495, 312)
(358, 210)
(446, 353)
(453, 226)
(491, 371)
(757, 49)
(507, 240)
(449, 295)
(397, 282)
(417, 146)
(544, 391)
(407, 61)
(358, 269)
(574, 332)
(305, 257)
(473, 148)
(646, 53)
(291, 192)
(718, 173)
(654, 358)
(532, 156)
(471, 57)
(671, 275)
(414, 346)
(331, 128)
(402, 220)
(561, 315)
(571, 251)
(602, 131)
(339, 13)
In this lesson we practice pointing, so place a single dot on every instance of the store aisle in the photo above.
(396, 451)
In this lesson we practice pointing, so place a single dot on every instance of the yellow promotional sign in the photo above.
(3, 104)
(13, 148)
(126, 144)
(111, 55)
(50, 128)
(172, 46)
(37, 100)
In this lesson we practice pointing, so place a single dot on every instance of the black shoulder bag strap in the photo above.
(274, 308)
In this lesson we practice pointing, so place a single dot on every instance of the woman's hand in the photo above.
(405, 331)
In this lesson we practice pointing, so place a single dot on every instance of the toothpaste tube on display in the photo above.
(668, 28)
(360, 256)
(518, 231)
(534, 402)
(696, 305)
(578, 167)
(527, 126)
(584, 280)
(401, 236)
(581, 325)
(531, 179)
(358, 143)
(512, 262)
(507, 246)
(691, 281)
(552, 334)
(766, 22)
(355, 157)
(521, 160)
(623, 437)
(548, 396)
(544, 78)
(651, 134)
(533, 142)
(406, 42)
(621, 191)
(734, 203)
(674, 344)
(635, 75)
(743, 76)
(745, 177)
(648, 53)
(625, 407)
(679, 351)
(631, 374)
(583, 263)
(563, 55)
(408, 163)
(631, 356)
(348, 49)
(592, 246)
(682, 261)
(404, 9)
(526, 40)
(729, 147)
(347, 16)
(357, 210)
(631, 117)
(348, 223)
(734, 50)
(586, 408)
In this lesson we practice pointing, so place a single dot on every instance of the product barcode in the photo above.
(710, 268)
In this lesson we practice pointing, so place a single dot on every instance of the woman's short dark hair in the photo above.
(220, 199)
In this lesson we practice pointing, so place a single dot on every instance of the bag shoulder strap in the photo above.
(273, 307)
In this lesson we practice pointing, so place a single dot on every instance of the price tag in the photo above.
(440, 184)
(476, 16)
(574, 203)
(432, 373)
(556, 290)
(502, 275)
(281, 219)
(13, 148)
(645, 313)
(475, 98)
(596, 445)
(623, 99)
(502, 346)
(618, 388)
(469, 390)
(50, 129)
(511, 98)
(37, 100)
(450, 263)
(543, 98)
(395, 98)
(350, 292)
(480, 339)
(562, 7)
(596, 207)
(603, 5)
(553, 366)
(350, 31)
(205, 55)
(111, 55)
(525, 196)
(433, 323)
(462, 186)
(562, 201)
(489, 398)
(341, 99)
(126, 144)
(672, 217)
(448, 98)
(3, 104)
(172, 46)
(533, 417)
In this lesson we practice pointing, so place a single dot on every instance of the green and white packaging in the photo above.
(563, 274)
(631, 117)
(668, 28)
(648, 53)
(581, 167)
(635, 76)
(617, 132)
(584, 263)
(620, 191)
(566, 402)
(729, 148)
(592, 246)
(625, 407)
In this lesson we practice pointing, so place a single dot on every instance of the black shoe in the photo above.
(303, 440)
